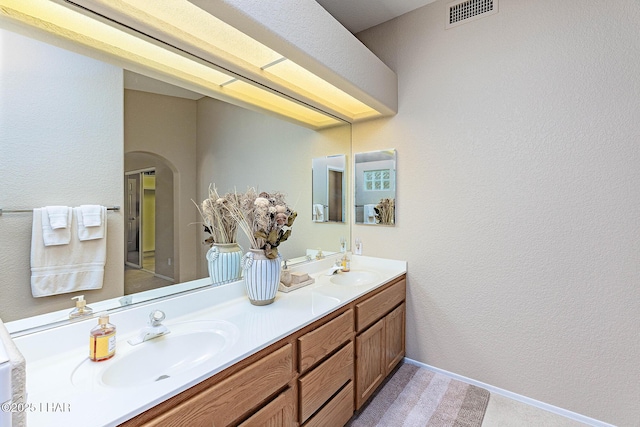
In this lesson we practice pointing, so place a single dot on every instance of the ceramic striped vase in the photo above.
(224, 262)
(261, 276)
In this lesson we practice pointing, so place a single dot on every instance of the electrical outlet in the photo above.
(169, 261)
(358, 248)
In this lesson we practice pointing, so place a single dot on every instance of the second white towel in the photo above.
(91, 221)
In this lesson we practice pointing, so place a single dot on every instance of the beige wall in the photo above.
(166, 126)
(518, 201)
(60, 144)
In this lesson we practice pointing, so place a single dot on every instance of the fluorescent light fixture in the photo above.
(320, 90)
(145, 55)
(184, 21)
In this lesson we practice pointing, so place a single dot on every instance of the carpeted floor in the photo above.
(415, 396)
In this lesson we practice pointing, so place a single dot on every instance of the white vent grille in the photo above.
(462, 12)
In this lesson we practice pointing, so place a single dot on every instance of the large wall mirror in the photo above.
(76, 130)
(329, 177)
(375, 187)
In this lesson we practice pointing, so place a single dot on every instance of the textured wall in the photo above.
(60, 144)
(518, 201)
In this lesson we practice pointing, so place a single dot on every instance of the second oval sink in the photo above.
(355, 278)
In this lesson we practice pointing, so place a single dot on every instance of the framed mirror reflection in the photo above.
(375, 187)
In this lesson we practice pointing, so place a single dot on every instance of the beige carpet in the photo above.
(415, 396)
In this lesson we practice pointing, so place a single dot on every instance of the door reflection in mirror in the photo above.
(328, 182)
(375, 187)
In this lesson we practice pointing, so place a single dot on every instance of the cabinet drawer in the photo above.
(372, 309)
(337, 412)
(318, 343)
(233, 397)
(318, 385)
(280, 412)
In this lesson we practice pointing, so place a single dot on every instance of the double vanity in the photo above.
(312, 357)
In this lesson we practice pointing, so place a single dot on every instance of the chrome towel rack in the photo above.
(109, 208)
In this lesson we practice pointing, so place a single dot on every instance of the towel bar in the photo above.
(111, 208)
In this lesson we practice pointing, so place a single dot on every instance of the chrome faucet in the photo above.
(335, 269)
(154, 330)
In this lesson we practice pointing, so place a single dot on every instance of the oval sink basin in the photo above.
(187, 347)
(355, 278)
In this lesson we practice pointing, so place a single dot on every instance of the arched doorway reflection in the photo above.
(149, 230)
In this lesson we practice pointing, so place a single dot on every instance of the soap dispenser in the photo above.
(102, 340)
(81, 308)
(346, 263)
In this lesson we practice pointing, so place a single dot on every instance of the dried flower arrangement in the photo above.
(217, 218)
(265, 218)
(385, 211)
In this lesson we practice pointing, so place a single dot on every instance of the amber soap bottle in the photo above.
(102, 340)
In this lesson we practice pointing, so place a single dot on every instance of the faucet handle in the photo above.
(156, 317)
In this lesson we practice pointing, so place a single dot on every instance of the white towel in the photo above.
(58, 216)
(369, 214)
(54, 236)
(91, 215)
(87, 232)
(318, 212)
(66, 268)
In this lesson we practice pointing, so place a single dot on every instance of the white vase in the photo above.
(261, 276)
(224, 262)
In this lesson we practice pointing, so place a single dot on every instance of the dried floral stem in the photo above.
(216, 217)
(264, 218)
(385, 211)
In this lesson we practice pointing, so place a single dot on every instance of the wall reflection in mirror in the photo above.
(329, 188)
(375, 187)
(80, 131)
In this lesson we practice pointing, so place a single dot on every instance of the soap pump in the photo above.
(346, 263)
(81, 309)
(102, 340)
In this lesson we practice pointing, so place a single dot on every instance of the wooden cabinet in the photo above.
(370, 366)
(374, 308)
(280, 412)
(318, 385)
(394, 336)
(315, 377)
(337, 411)
(224, 402)
(315, 345)
(326, 360)
(380, 344)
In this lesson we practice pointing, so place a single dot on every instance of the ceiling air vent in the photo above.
(461, 12)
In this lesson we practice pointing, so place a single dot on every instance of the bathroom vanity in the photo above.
(311, 358)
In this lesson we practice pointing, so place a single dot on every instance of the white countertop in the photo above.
(54, 354)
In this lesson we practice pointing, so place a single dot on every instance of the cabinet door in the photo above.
(370, 361)
(394, 333)
(278, 413)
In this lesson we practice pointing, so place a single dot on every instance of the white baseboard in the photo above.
(518, 397)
